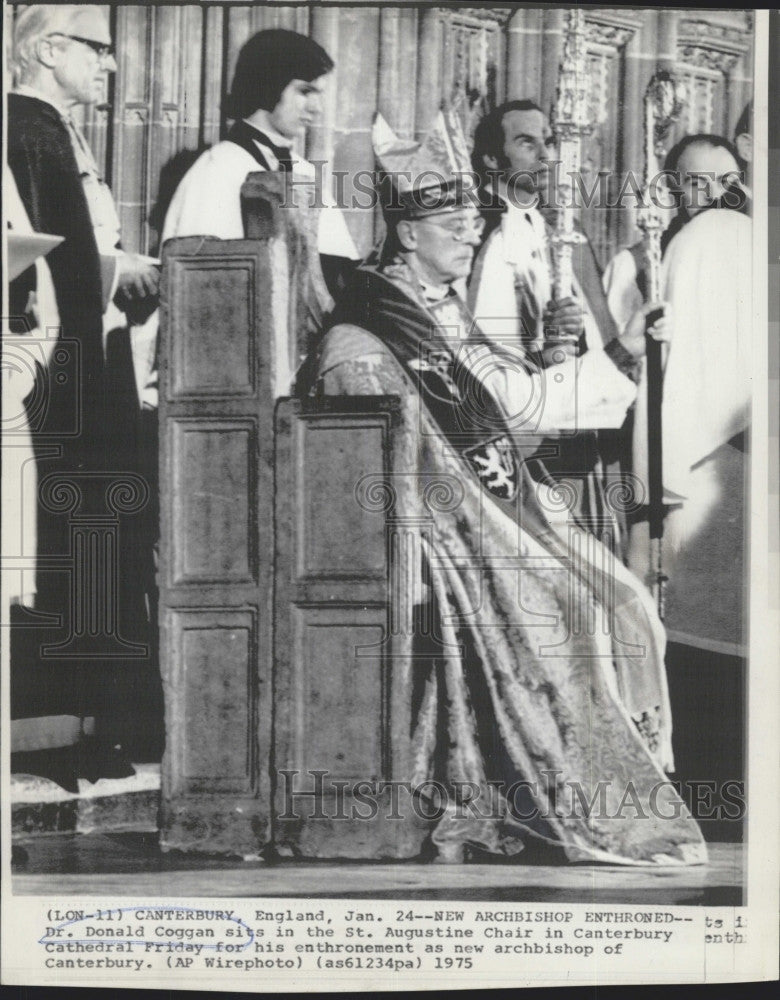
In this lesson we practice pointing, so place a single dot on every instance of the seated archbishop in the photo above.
(542, 669)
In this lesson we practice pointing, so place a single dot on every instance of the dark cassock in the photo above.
(41, 158)
(538, 669)
(80, 433)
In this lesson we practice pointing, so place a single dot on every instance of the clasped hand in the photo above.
(563, 327)
(137, 277)
(633, 337)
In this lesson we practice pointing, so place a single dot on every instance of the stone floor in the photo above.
(103, 841)
(132, 864)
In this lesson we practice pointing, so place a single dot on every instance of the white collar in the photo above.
(532, 207)
(530, 211)
(434, 293)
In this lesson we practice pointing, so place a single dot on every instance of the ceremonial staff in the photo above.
(570, 124)
(572, 121)
(662, 107)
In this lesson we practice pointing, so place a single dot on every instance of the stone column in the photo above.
(239, 29)
(212, 114)
(552, 49)
(325, 31)
(524, 55)
(666, 39)
(397, 67)
(132, 120)
(355, 103)
(396, 97)
(739, 84)
(429, 77)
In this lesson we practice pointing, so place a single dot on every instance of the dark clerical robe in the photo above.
(74, 431)
(41, 158)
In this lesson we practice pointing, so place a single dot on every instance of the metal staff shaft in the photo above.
(663, 104)
(655, 482)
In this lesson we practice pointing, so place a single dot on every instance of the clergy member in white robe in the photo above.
(707, 281)
(276, 96)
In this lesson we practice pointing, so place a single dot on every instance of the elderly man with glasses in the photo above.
(61, 58)
(89, 425)
(433, 231)
(500, 681)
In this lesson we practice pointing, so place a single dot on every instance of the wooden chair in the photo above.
(282, 667)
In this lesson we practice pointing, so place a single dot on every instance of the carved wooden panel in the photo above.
(213, 504)
(216, 413)
(359, 552)
(233, 317)
(710, 49)
(214, 658)
(220, 293)
(474, 54)
(341, 691)
(351, 743)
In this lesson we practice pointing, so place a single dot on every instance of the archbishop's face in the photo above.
(444, 243)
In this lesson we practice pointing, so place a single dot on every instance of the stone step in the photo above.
(40, 806)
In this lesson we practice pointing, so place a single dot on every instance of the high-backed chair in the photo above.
(284, 649)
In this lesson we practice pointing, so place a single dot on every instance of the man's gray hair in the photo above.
(34, 23)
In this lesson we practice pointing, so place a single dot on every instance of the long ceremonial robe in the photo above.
(82, 427)
(707, 281)
(45, 691)
(548, 670)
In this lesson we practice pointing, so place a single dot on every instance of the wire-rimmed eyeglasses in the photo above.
(457, 228)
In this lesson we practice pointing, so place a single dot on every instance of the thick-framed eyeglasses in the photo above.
(458, 228)
(102, 50)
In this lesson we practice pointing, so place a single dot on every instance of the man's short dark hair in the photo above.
(672, 161)
(744, 125)
(489, 133)
(267, 63)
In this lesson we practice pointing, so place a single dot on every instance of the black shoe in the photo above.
(59, 765)
(98, 758)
